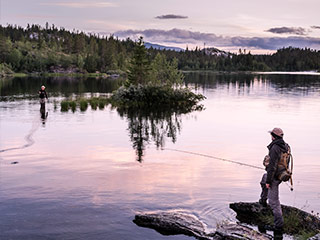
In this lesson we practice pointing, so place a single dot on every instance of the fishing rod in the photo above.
(213, 157)
(224, 160)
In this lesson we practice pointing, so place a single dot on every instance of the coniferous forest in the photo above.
(37, 49)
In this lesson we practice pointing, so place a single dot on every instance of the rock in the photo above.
(114, 76)
(316, 237)
(62, 70)
(296, 221)
(173, 223)
(238, 231)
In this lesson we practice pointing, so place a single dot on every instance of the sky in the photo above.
(258, 26)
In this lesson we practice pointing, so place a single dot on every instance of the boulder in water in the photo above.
(173, 223)
(296, 221)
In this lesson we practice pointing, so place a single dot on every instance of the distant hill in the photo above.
(161, 47)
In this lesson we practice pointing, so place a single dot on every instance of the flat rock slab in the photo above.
(296, 221)
(316, 237)
(237, 231)
(173, 223)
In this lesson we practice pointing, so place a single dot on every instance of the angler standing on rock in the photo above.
(276, 163)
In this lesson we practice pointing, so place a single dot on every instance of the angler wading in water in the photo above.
(43, 95)
(42, 98)
(276, 163)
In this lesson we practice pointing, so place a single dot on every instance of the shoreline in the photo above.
(312, 72)
(115, 74)
(118, 74)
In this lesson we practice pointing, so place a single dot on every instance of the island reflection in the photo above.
(153, 125)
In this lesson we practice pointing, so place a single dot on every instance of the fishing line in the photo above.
(28, 138)
(217, 158)
(220, 159)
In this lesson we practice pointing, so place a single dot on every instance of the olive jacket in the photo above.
(276, 147)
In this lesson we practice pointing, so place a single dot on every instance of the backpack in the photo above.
(283, 164)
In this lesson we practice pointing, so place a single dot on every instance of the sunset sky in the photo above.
(259, 26)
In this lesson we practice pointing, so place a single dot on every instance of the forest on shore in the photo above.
(49, 49)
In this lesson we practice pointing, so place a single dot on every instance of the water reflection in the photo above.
(65, 86)
(247, 83)
(151, 125)
(90, 186)
(43, 113)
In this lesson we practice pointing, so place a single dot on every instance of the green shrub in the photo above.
(64, 106)
(83, 105)
(73, 105)
(293, 224)
(5, 69)
(102, 103)
(160, 96)
(94, 103)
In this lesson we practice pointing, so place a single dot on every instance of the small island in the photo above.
(151, 85)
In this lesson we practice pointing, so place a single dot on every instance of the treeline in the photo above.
(52, 49)
(285, 59)
(37, 49)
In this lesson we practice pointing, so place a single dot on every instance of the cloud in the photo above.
(87, 4)
(171, 16)
(288, 30)
(34, 16)
(315, 27)
(173, 35)
(180, 36)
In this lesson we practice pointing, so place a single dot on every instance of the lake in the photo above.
(84, 175)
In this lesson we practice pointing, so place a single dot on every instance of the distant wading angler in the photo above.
(43, 96)
(276, 163)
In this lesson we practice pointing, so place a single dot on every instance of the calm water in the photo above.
(84, 175)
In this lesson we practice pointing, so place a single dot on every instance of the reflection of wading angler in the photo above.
(276, 163)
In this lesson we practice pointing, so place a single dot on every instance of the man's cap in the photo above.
(277, 131)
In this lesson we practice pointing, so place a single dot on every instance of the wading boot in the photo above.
(278, 234)
(263, 202)
(262, 229)
(277, 231)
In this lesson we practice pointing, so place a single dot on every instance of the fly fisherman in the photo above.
(43, 95)
(270, 181)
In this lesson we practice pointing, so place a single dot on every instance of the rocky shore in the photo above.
(298, 223)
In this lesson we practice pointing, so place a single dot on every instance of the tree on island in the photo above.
(159, 71)
(139, 68)
(156, 84)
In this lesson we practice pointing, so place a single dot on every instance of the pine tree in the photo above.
(5, 48)
(139, 66)
(165, 72)
(15, 58)
(90, 63)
